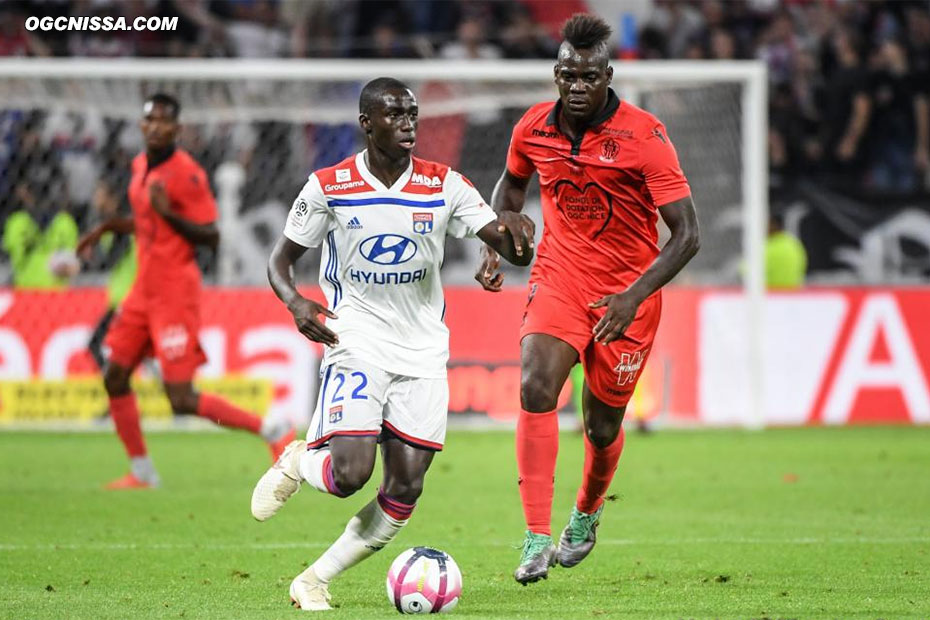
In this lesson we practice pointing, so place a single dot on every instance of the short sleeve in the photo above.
(661, 171)
(309, 218)
(193, 197)
(469, 212)
(518, 162)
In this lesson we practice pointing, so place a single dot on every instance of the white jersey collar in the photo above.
(372, 180)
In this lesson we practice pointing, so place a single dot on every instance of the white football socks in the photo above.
(273, 430)
(367, 532)
(143, 469)
(315, 467)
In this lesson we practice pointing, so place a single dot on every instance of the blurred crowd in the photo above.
(849, 80)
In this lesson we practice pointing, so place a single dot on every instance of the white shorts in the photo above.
(358, 399)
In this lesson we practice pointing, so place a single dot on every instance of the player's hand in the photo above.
(488, 275)
(87, 243)
(158, 197)
(621, 310)
(521, 229)
(846, 149)
(306, 315)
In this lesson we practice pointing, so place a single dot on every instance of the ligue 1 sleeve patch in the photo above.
(300, 210)
(422, 223)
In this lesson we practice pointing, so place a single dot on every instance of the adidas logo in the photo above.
(354, 224)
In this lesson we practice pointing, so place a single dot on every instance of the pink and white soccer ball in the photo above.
(423, 580)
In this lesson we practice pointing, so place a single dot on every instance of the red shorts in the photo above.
(169, 331)
(611, 371)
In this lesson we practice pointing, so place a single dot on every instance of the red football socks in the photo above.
(125, 414)
(599, 467)
(537, 449)
(223, 413)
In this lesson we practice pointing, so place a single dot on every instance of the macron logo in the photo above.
(354, 224)
(422, 179)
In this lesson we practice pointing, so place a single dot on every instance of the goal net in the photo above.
(260, 127)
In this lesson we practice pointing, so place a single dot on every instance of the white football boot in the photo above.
(309, 593)
(280, 482)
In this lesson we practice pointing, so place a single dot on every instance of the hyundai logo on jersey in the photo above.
(388, 249)
(422, 223)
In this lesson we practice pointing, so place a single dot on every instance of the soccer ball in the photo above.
(64, 264)
(423, 580)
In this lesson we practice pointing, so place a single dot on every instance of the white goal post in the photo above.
(716, 110)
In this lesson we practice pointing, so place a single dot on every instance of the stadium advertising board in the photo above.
(833, 356)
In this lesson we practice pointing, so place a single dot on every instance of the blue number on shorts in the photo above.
(341, 378)
(357, 392)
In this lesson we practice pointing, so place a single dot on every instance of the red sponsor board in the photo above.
(830, 356)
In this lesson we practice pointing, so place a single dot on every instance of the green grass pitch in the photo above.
(805, 523)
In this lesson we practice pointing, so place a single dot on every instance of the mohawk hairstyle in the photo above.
(585, 31)
(373, 89)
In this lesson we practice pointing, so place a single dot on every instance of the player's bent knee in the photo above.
(116, 380)
(602, 427)
(183, 402)
(407, 491)
(538, 394)
(603, 436)
(350, 477)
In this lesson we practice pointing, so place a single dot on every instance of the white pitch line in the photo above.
(321, 545)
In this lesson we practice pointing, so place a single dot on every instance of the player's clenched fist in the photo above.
(488, 275)
(621, 310)
(306, 315)
(517, 229)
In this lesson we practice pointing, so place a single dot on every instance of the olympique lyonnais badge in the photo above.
(422, 223)
(335, 414)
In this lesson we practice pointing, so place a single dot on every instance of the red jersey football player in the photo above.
(607, 170)
(172, 211)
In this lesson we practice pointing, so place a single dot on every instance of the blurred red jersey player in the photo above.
(607, 171)
(172, 212)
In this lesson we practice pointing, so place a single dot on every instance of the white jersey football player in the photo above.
(381, 218)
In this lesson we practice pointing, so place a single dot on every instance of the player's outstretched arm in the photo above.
(116, 224)
(305, 311)
(511, 236)
(685, 240)
(507, 200)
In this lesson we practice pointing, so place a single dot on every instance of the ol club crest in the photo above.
(422, 223)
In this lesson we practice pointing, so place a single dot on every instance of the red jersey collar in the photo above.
(613, 103)
(160, 158)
